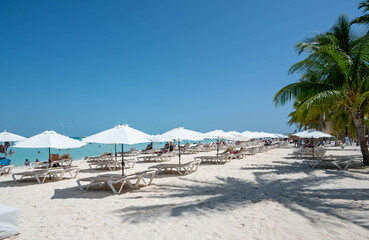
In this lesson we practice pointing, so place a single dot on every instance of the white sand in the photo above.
(266, 196)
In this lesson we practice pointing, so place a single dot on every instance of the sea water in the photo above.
(91, 149)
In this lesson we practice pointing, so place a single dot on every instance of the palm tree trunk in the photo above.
(359, 120)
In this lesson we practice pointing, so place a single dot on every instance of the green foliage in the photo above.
(365, 18)
(334, 82)
(334, 77)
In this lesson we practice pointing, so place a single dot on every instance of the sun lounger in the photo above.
(112, 165)
(104, 156)
(55, 173)
(131, 153)
(214, 159)
(314, 162)
(59, 163)
(41, 175)
(318, 152)
(132, 181)
(241, 154)
(72, 171)
(251, 150)
(5, 170)
(160, 158)
(182, 169)
(139, 177)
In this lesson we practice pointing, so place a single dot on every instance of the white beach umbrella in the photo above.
(238, 136)
(218, 134)
(268, 135)
(249, 134)
(157, 139)
(281, 135)
(259, 134)
(49, 139)
(312, 133)
(10, 137)
(121, 134)
(181, 133)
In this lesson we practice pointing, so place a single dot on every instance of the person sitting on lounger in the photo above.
(55, 164)
(171, 146)
(185, 146)
(166, 146)
(228, 150)
(199, 144)
(148, 147)
(241, 150)
(318, 144)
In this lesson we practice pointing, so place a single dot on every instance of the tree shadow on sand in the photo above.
(300, 195)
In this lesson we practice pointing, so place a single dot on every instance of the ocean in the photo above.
(91, 149)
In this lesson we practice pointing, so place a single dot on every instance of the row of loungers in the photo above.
(57, 173)
(182, 169)
(111, 165)
(223, 158)
(133, 181)
(156, 158)
(116, 182)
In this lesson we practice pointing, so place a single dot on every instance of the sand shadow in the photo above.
(224, 194)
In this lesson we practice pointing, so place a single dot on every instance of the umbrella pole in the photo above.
(49, 163)
(312, 144)
(115, 147)
(122, 161)
(179, 150)
(49, 160)
(217, 147)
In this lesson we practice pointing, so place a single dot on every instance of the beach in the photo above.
(270, 195)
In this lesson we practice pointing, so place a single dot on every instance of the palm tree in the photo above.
(335, 76)
(365, 18)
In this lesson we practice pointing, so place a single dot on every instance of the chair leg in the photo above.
(152, 178)
(113, 188)
(348, 163)
(14, 179)
(316, 164)
(38, 179)
(81, 187)
(335, 163)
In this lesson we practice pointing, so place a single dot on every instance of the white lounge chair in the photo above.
(72, 171)
(314, 162)
(214, 159)
(60, 163)
(112, 165)
(41, 175)
(182, 169)
(104, 156)
(5, 170)
(132, 181)
(159, 158)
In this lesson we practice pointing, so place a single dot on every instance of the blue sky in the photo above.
(79, 67)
